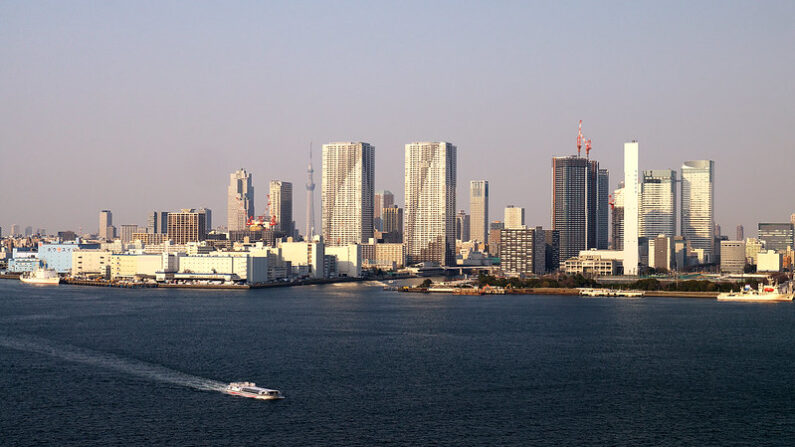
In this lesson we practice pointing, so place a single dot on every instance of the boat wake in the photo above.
(110, 361)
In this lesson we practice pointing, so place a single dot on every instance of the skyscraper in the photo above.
(602, 208)
(126, 233)
(617, 231)
(347, 193)
(740, 233)
(430, 202)
(631, 253)
(462, 232)
(574, 204)
(157, 222)
(105, 221)
(239, 201)
(208, 218)
(479, 210)
(383, 199)
(658, 203)
(698, 212)
(777, 236)
(310, 199)
(187, 225)
(393, 224)
(281, 201)
(514, 217)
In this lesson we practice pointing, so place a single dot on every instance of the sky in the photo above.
(150, 105)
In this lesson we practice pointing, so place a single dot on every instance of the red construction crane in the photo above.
(579, 139)
(587, 148)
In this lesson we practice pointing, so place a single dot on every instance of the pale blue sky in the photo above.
(134, 106)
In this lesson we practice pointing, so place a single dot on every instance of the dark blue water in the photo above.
(361, 366)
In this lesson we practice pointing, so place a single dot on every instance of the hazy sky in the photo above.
(135, 106)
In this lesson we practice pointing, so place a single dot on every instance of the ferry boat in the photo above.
(41, 276)
(765, 293)
(250, 389)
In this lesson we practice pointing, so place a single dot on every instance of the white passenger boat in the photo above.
(765, 293)
(41, 276)
(250, 389)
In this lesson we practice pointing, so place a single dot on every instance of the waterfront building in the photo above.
(187, 225)
(657, 203)
(58, 256)
(242, 267)
(661, 252)
(157, 222)
(777, 236)
(522, 251)
(23, 259)
(305, 257)
(392, 222)
(769, 261)
(126, 233)
(631, 209)
(576, 204)
(462, 222)
(387, 256)
(698, 211)
(479, 210)
(383, 199)
(349, 259)
(281, 204)
(514, 217)
(239, 200)
(732, 256)
(552, 250)
(430, 188)
(87, 262)
(590, 265)
(347, 193)
(105, 221)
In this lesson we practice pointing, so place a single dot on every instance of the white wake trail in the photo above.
(110, 361)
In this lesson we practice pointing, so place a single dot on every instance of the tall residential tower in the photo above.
(239, 200)
(479, 210)
(347, 193)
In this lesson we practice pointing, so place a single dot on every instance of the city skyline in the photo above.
(71, 95)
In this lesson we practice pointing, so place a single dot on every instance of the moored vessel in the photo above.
(765, 293)
(41, 276)
(250, 389)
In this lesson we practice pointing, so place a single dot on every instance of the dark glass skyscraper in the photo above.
(576, 204)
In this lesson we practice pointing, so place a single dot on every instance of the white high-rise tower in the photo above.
(347, 194)
(429, 230)
(631, 208)
(479, 210)
(239, 200)
(698, 212)
(310, 199)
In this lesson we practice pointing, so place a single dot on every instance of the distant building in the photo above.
(698, 210)
(462, 223)
(661, 252)
(58, 256)
(383, 199)
(740, 233)
(602, 209)
(306, 258)
(239, 200)
(522, 251)
(590, 265)
(753, 247)
(14, 230)
(617, 231)
(495, 238)
(430, 182)
(105, 221)
(91, 262)
(126, 233)
(657, 213)
(514, 217)
(732, 256)
(150, 238)
(478, 210)
(392, 223)
(208, 218)
(281, 200)
(349, 259)
(347, 194)
(777, 236)
(575, 197)
(28, 231)
(185, 226)
(631, 209)
(157, 222)
(68, 235)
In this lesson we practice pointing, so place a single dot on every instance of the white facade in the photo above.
(631, 208)
(281, 204)
(105, 221)
(239, 200)
(429, 229)
(252, 269)
(349, 259)
(86, 262)
(514, 218)
(347, 193)
(768, 261)
(307, 254)
(698, 210)
(479, 210)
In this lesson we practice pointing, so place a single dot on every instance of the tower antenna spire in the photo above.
(310, 198)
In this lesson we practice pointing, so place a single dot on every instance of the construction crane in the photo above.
(579, 139)
(588, 148)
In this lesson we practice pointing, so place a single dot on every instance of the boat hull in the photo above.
(253, 396)
(41, 281)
